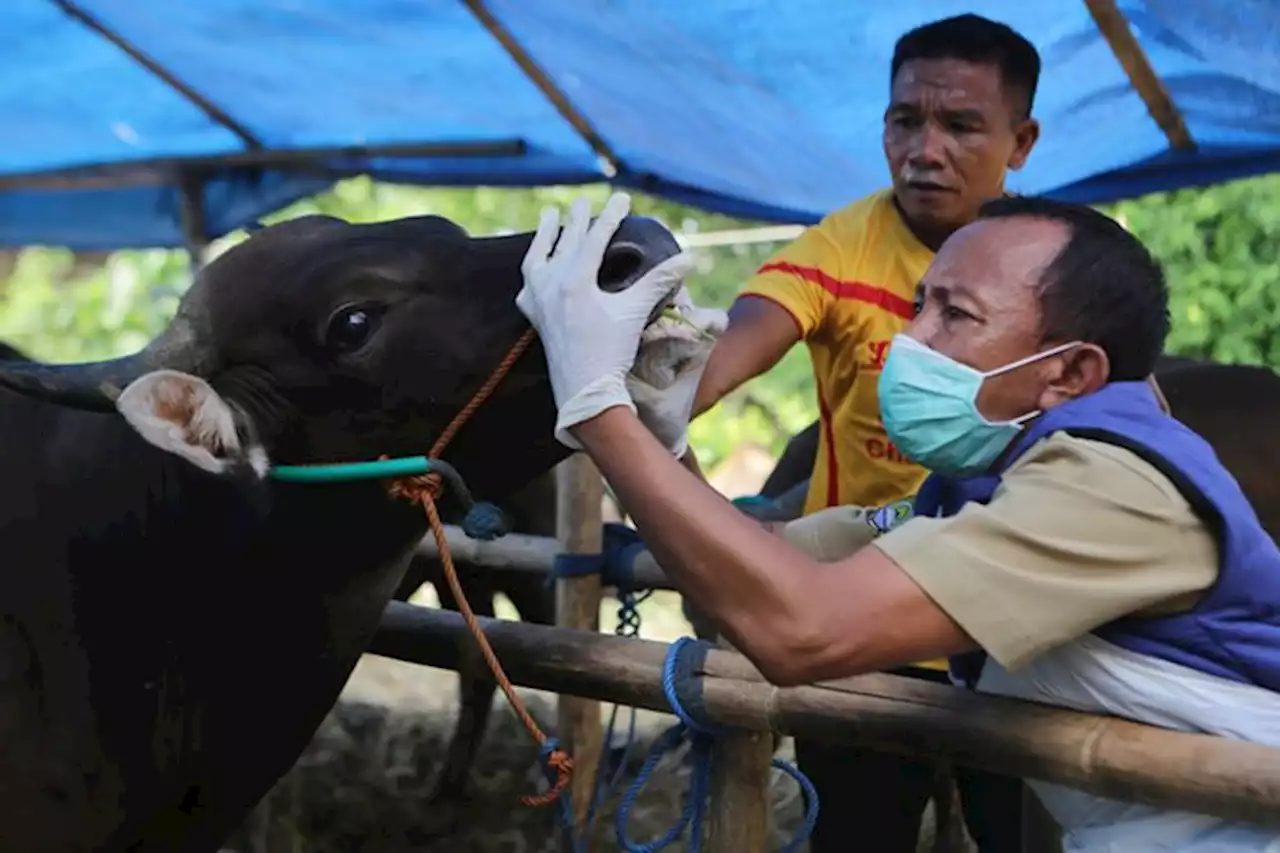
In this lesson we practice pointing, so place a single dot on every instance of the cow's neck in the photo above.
(220, 623)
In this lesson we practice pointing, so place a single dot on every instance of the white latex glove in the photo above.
(590, 336)
(673, 356)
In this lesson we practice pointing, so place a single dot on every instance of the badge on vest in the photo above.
(891, 515)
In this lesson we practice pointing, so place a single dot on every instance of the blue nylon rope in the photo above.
(681, 685)
(679, 675)
(614, 565)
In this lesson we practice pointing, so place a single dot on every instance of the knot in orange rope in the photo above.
(562, 763)
(419, 488)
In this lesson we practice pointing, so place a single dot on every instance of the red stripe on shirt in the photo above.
(857, 290)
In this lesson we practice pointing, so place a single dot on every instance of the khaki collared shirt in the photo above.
(1078, 533)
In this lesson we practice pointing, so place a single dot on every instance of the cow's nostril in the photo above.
(639, 245)
(621, 267)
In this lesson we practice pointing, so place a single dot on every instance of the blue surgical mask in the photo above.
(929, 406)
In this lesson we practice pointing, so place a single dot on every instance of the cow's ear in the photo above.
(183, 415)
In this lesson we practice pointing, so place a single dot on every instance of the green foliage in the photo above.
(1218, 245)
(487, 210)
(770, 409)
(59, 307)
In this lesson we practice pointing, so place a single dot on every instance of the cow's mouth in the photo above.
(669, 346)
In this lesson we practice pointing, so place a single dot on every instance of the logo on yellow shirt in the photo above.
(873, 355)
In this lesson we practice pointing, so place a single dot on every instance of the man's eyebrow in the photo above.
(966, 293)
(968, 114)
(948, 292)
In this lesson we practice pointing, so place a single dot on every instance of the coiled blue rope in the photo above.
(681, 684)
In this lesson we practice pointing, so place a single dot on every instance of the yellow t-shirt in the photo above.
(849, 282)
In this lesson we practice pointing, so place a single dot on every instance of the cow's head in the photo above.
(317, 340)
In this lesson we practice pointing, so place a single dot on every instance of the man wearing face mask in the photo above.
(958, 118)
(1090, 548)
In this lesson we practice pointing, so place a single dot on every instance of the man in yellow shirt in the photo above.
(958, 118)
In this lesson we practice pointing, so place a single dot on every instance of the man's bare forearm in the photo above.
(719, 558)
(796, 619)
(760, 333)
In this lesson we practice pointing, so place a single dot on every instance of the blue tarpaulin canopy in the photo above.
(763, 110)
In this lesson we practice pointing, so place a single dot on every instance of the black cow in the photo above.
(532, 510)
(8, 352)
(1236, 408)
(174, 624)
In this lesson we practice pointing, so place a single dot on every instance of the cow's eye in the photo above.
(350, 328)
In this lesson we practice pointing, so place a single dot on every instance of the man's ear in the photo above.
(1025, 136)
(1085, 370)
(182, 414)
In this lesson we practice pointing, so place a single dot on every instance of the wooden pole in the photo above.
(194, 225)
(539, 77)
(741, 808)
(1114, 27)
(1101, 755)
(579, 492)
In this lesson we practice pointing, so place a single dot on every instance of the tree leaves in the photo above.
(1219, 248)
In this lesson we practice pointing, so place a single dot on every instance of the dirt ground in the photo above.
(361, 786)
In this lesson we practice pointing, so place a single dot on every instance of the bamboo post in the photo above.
(740, 808)
(579, 492)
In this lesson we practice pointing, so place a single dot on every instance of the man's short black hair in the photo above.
(1103, 287)
(981, 41)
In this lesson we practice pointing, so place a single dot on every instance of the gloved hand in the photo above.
(836, 532)
(673, 355)
(831, 534)
(590, 336)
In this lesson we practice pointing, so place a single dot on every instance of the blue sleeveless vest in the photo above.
(1234, 632)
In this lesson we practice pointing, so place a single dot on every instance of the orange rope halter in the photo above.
(425, 489)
